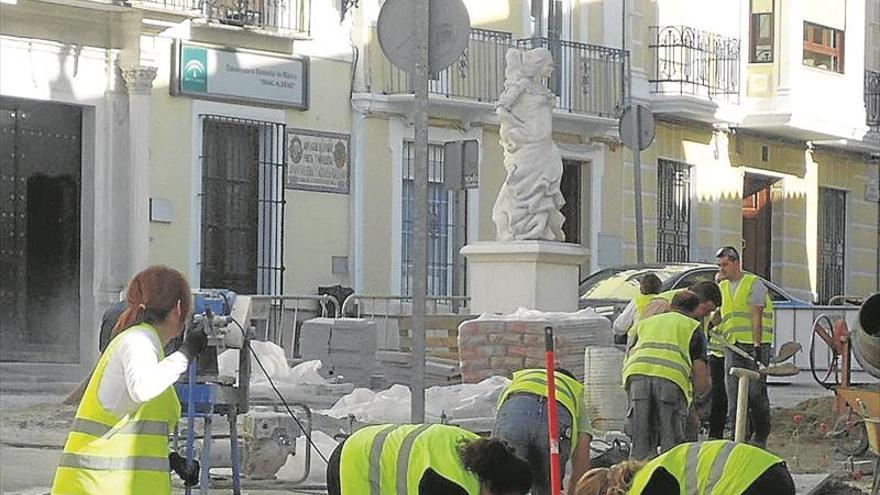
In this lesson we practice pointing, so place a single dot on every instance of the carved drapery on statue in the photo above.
(527, 207)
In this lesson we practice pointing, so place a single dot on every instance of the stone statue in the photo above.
(527, 207)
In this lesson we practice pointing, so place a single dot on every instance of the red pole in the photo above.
(552, 418)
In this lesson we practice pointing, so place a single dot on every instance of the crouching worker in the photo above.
(521, 421)
(429, 459)
(119, 439)
(699, 468)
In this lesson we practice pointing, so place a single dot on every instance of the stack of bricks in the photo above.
(492, 346)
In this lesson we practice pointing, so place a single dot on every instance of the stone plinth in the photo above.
(506, 275)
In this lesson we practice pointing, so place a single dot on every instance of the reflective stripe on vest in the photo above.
(736, 313)
(391, 459)
(717, 467)
(108, 454)
(663, 350)
(569, 393)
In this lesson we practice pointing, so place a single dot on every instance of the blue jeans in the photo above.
(521, 421)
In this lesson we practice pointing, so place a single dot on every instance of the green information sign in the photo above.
(194, 73)
(240, 76)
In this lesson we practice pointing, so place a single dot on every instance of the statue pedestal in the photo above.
(506, 275)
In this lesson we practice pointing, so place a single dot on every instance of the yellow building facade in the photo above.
(285, 163)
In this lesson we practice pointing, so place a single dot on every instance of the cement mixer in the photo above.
(858, 405)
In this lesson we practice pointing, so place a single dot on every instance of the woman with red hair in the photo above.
(119, 440)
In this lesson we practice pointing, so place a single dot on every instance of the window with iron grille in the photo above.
(242, 205)
(832, 243)
(441, 224)
(673, 210)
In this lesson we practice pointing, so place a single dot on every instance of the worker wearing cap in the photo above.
(649, 287)
(521, 421)
(664, 369)
(746, 322)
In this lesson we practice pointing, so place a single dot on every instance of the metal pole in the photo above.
(637, 183)
(637, 153)
(420, 217)
(552, 414)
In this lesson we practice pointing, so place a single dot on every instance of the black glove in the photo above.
(762, 354)
(194, 343)
(189, 476)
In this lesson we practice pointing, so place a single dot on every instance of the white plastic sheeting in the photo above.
(293, 469)
(526, 314)
(457, 402)
(302, 383)
(273, 359)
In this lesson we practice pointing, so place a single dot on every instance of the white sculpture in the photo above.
(527, 207)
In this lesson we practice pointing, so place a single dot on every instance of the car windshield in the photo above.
(623, 283)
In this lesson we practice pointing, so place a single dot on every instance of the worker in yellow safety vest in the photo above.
(521, 421)
(427, 459)
(746, 322)
(665, 368)
(649, 287)
(119, 439)
(699, 468)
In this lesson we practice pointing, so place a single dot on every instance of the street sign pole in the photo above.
(420, 218)
(637, 185)
(637, 132)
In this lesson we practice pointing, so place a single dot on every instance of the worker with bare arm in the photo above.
(666, 367)
(747, 322)
(521, 421)
(649, 287)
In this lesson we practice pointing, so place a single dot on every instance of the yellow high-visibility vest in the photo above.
(641, 301)
(712, 467)
(666, 296)
(569, 393)
(736, 313)
(106, 454)
(663, 350)
(391, 459)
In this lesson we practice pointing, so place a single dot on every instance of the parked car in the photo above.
(608, 291)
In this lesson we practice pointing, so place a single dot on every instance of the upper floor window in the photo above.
(761, 32)
(823, 47)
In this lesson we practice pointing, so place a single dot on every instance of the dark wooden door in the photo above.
(40, 175)
(757, 213)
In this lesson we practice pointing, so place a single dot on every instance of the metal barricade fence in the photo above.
(278, 318)
(392, 313)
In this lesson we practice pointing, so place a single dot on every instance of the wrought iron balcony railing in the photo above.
(282, 16)
(587, 79)
(477, 75)
(174, 5)
(872, 98)
(689, 61)
(288, 16)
